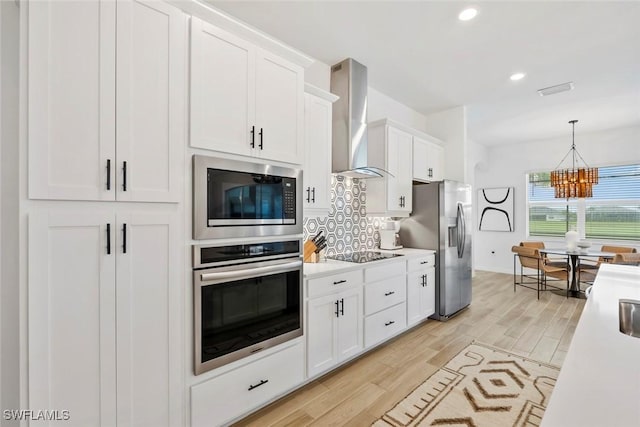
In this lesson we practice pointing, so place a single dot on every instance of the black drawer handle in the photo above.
(253, 137)
(390, 323)
(308, 194)
(337, 308)
(261, 137)
(251, 387)
(313, 195)
(339, 281)
(424, 262)
(389, 293)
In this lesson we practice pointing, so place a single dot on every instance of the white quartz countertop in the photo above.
(599, 383)
(330, 266)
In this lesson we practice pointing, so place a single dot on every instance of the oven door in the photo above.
(241, 199)
(243, 309)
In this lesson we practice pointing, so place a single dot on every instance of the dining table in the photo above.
(575, 256)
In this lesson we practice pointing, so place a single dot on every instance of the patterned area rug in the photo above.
(481, 386)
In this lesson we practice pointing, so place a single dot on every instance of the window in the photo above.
(612, 213)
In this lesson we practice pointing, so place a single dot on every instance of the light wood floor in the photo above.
(360, 392)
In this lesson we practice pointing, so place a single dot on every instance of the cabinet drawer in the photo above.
(333, 283)
(246, 388)
(421, 262)
(373, 274)
(385, 324)
(384, 294)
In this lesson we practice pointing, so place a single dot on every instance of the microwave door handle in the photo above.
(249, 272)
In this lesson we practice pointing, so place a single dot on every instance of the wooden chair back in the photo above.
(616, 250)
(529, 257)
(534, 245)
(629, 258)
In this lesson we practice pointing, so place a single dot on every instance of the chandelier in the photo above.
(575, 181)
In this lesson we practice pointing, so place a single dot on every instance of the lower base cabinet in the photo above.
(334, 329)
(421, 289)
(232, 394)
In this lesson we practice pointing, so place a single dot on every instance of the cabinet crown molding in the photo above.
(321, 93)
(241, 29)
(413, 131)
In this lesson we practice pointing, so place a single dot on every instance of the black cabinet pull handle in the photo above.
(425, 280)
(337, 308)
(261, 137)
(400, 201)
(424, 262)
(108, 239)
(430, 172)
(389, 293)
(124, 176)
(390, 323)
(342, 306)
(339, 281)
(124, 238)
(313, 195)
(308, 194)
(108, 174)
(262, 382)
(253, 137)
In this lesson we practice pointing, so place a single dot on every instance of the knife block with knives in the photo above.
(313, 246)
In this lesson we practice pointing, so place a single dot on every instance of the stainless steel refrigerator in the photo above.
(441, 220)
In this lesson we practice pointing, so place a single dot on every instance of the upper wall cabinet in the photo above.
(317, 150)
(428, 160)
(391, 149)
(244, 100)
(92, 65)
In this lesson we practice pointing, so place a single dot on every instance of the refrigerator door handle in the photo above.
(460, 231)
(464, 229)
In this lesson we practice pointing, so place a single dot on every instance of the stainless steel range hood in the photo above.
(349, 142)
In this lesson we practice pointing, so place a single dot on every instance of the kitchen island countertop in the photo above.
(599, 383)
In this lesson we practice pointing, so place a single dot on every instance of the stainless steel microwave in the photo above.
(241, 199)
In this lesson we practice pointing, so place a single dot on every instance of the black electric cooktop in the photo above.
(362, 257)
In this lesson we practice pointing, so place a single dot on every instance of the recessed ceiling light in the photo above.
(517, 76)
(467, 14)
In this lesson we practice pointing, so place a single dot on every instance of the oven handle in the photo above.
(250, 272)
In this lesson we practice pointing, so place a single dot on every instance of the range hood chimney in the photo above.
(349, 142)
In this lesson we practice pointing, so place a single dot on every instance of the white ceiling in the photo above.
(420, 54)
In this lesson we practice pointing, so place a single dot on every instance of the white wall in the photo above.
(506, 166)
(318, 74)
(9, 247)
(451, 126)
(382, 106)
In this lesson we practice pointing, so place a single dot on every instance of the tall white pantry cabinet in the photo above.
(106, 99)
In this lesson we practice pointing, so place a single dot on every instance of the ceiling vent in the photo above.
(552, 90)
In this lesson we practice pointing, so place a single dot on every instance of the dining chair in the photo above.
(630, 258)
(587, 271)
(556, 262)
(530, 258)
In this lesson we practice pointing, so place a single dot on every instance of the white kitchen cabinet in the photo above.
(230, 395)
(390, 149)
(244, 100)
(317, 151)
(421, 297)
(334, 329)
(105, 317)
(428, 160)
(92, 65)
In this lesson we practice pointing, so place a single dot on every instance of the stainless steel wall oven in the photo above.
(247, 297)
(241, 199)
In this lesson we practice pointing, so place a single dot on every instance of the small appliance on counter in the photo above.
(389, 237)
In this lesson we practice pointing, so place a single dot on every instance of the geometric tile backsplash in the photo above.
(347, 227)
